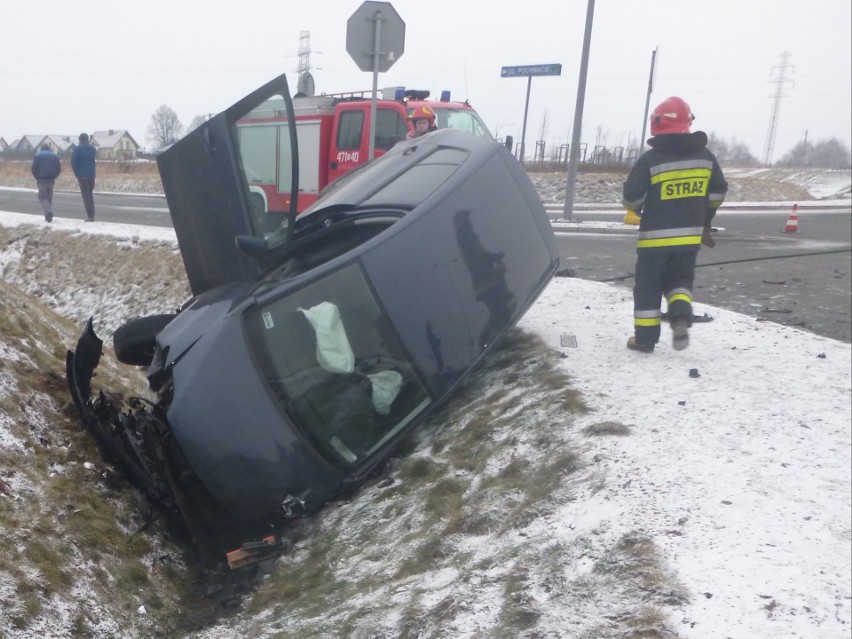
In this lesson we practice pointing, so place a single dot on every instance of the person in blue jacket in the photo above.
(676, 188)
(83, 164)
(45, 168)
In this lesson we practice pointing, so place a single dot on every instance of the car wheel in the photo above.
(135, 340)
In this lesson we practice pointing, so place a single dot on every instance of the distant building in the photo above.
(110, 145)
(28, 144)
(114, 145)
(60, 144)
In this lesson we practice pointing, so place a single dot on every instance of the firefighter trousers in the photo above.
(668, 274)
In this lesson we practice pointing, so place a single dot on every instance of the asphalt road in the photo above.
(148, 210)
(798, 279)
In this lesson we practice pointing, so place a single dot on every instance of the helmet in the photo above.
(423, 113)
(672, 115)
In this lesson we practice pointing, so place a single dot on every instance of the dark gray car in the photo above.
(313, 345)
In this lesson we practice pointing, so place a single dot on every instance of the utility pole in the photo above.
(780, 81)
(574, 151)
(648, 101)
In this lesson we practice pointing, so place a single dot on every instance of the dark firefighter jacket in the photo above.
(677, 186)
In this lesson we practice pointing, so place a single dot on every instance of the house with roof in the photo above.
(28, 144)
(3, 145)
(60, 144)
(114, 145)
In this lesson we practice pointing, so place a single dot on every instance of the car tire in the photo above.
(135, 340)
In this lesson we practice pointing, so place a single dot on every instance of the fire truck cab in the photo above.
(333, 138)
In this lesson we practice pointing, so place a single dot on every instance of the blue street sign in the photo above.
(531, 70)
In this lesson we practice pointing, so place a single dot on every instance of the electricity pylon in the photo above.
(780, 81)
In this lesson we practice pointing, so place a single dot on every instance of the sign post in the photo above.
(528, 72)
(375, 38)
(648, 100)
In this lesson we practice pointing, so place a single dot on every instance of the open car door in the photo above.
(206, 177)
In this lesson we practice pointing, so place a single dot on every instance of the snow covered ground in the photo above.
(740, 470)
(737, 462)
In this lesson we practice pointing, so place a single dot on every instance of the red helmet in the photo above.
(672, 115)
(423, 113)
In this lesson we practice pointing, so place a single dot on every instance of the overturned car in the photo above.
(313, 343)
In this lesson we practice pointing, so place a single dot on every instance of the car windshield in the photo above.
(336, 366)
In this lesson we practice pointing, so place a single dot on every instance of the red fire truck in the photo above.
(333, 138)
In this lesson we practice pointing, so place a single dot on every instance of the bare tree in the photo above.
(165, 128)
(825, 154)
(545, 125)
(196, 122)
(539, 145)
(731, 153)
(601, 136)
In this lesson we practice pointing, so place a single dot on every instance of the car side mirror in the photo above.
(255, 247)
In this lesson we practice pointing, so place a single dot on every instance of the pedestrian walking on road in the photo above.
(46, 168)
(83, 164)
(675, 188)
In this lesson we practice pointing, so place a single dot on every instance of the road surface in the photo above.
(798, 279)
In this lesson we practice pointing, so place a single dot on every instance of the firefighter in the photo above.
(676, 188)
(424, 122)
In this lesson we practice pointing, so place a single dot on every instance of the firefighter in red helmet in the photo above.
(675, 188)
(424, 121)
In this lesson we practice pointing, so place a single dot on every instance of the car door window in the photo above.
(349, 130)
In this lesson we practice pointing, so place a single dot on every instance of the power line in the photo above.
(780, 81)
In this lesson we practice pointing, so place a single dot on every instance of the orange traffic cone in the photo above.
(793, 221)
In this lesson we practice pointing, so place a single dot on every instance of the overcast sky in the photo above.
(67, 67)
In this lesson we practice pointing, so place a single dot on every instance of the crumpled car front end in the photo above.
(214, 450)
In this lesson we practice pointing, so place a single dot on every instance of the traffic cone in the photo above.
(793, 221)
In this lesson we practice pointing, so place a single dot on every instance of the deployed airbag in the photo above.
(334, 353)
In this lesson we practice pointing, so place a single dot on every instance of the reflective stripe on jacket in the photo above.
(677, 185)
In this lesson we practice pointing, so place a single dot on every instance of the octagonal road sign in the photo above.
(361, 35)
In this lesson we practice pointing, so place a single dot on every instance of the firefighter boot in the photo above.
(680, 333)
(633, 345)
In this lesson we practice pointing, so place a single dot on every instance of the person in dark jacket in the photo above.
(675, 188)
(83, 164)
(46, 168)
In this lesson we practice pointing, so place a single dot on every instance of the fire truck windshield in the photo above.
(468, 120)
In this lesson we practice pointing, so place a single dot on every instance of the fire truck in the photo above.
(332, 134)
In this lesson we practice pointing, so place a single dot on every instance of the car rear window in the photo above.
(336, 366)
